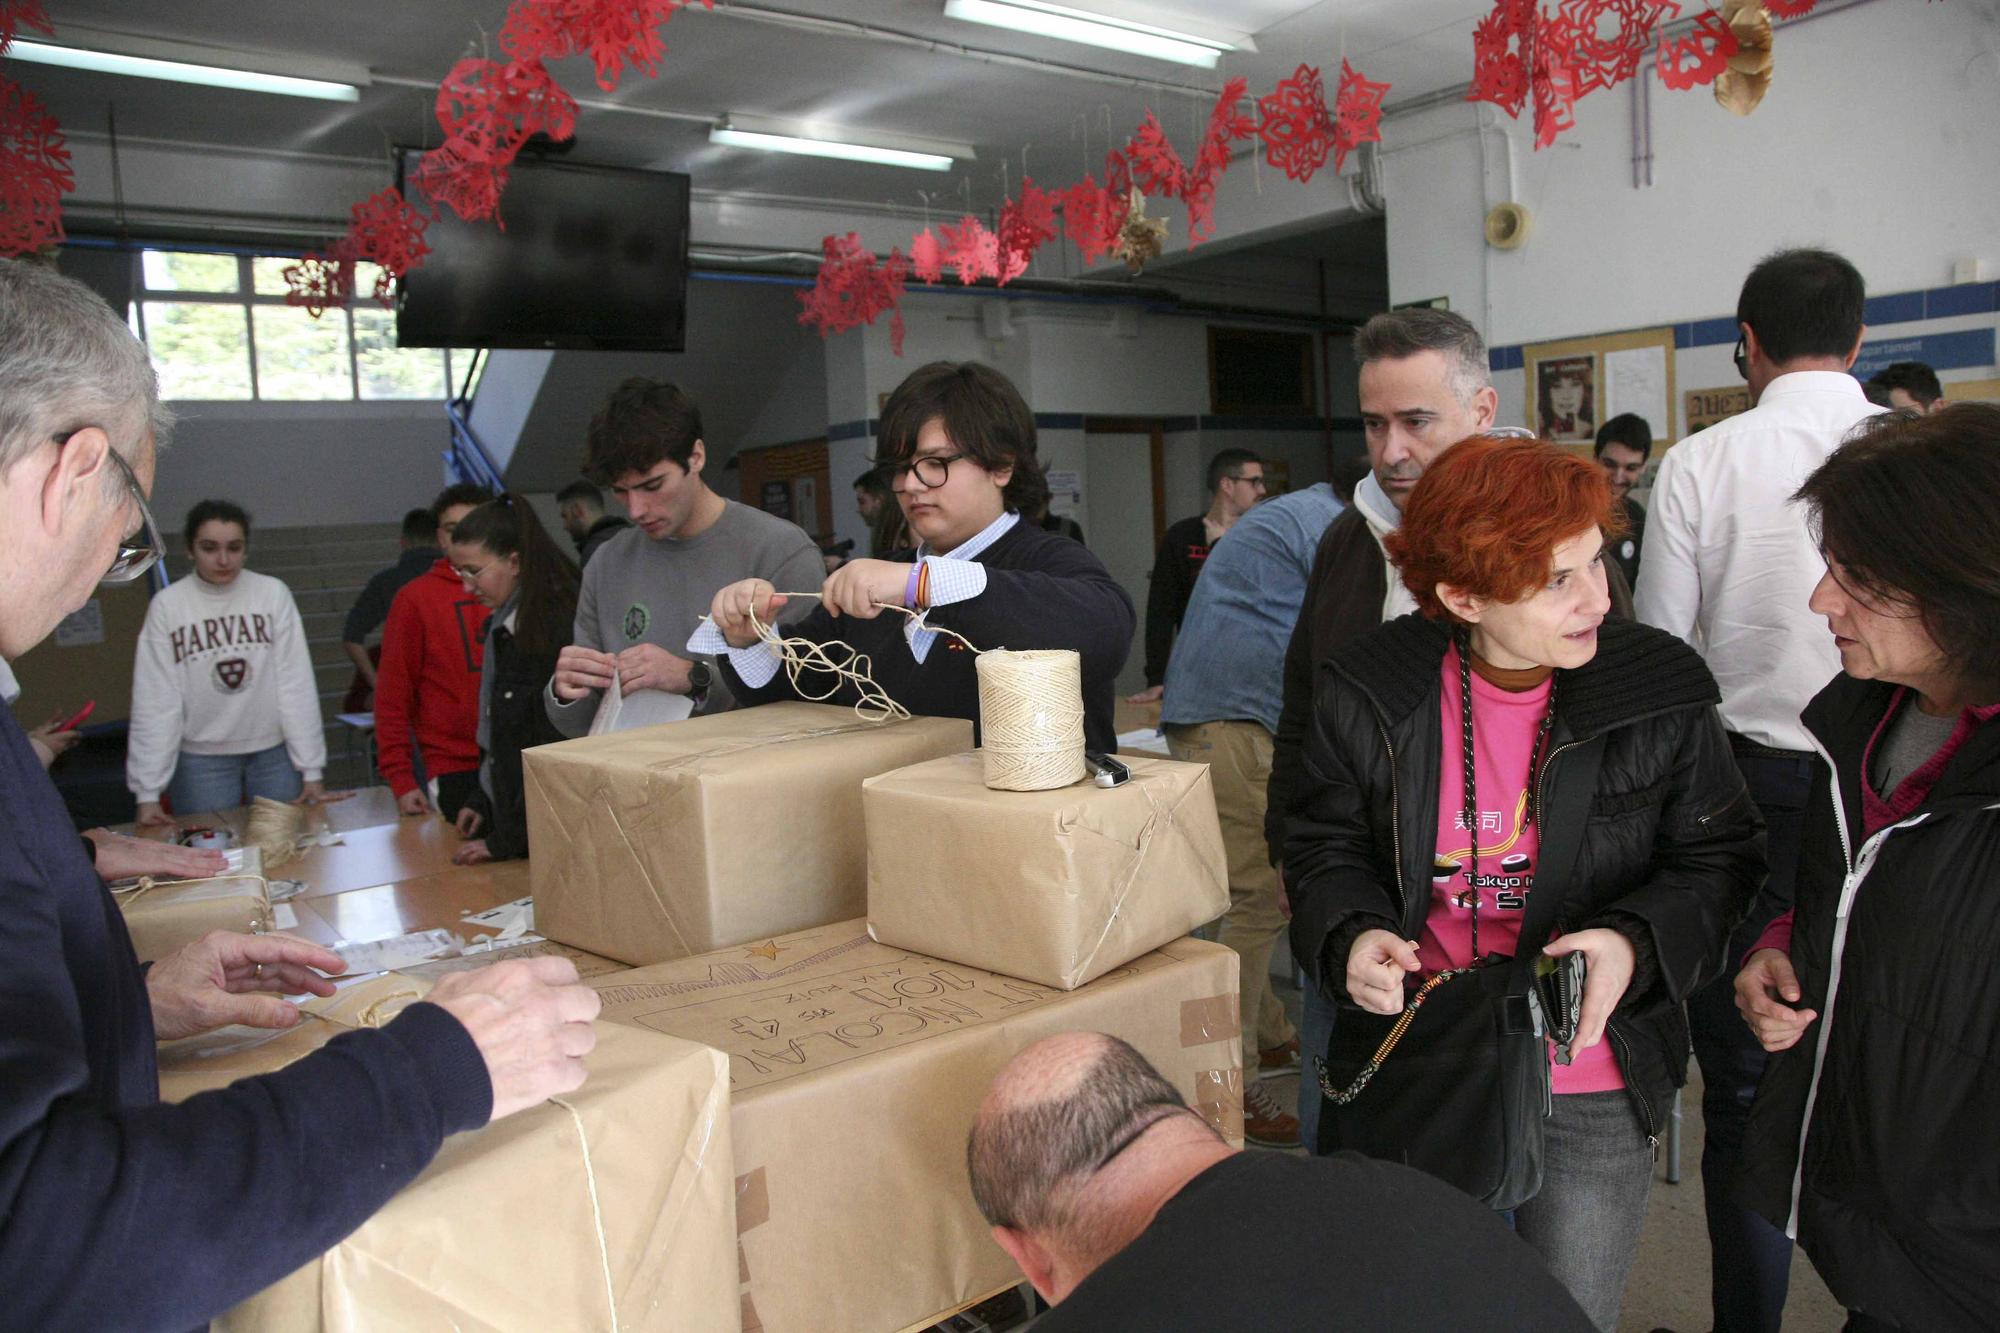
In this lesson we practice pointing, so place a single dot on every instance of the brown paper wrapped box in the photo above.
(855, 1069)
(1055, 886)
(673, 840)
(500, 1232)
(162, 917)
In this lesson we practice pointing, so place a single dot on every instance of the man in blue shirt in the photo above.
(1224, 691)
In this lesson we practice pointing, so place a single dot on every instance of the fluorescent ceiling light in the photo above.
(736, 133)
(178, 71)
(1074, 25)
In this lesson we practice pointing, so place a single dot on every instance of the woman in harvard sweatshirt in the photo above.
(224, 706)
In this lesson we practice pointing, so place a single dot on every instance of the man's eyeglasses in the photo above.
(932, 470)
(1741, 357)
(140, 550)
(1257, 481)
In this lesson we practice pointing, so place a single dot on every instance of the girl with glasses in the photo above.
(224, 704)
(958, 446)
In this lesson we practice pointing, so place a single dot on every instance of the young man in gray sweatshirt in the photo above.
(645, 589)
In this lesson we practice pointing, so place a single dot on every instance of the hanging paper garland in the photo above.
(1156, 167)
(1603, 62)
(1296, 129)
(319, 283)
(1092, 216)
(971, 249)
(1357, 113)
(385, 231)
(468, 188)
(852, 289)
(488, 110)
(1226, 125)
(1553, 83)
(35, 173)
(926, 256)
(613, 33)
(16, 14)
(1697, 58)
(1501, 56)
(1790, 9)
(1026, 224)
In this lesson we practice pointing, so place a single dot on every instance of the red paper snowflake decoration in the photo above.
(385, 231)
(1698, 57)
(16, 14)
(1156, 166)
(468, 188)
(1601, 62)
(1501, 56)
(1227, 124)
(488, 110)
(926, 256)
(613, 33)
(1790, 9)
(1092, 216)
(319, 283)
(1553, 83)
(852, 289)
(1357, 113)
(971, 249)
(1026, 224)
(35, 173)
(1296, 129)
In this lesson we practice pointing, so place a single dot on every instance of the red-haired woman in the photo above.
(1437, 744)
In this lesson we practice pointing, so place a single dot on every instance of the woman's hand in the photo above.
(472, 853)
(152, 816)
(468, 822)
(733, 606)
(1609, 959)
(861, 588)
(315, 793)
(1376, 966)
(1766, 989)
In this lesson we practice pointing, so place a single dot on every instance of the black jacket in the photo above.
(1182, 551)
(600, 532)
(1899, 1200)
(1671, 853)
(515, 721)
(1042, 591)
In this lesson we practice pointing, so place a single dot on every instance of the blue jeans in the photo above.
(1315, 1035)
(204, 782)
(1750, 1260)
(1585, 1220)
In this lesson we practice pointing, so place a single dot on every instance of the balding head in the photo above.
(1077, 1144)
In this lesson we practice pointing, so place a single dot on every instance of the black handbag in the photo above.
(1457, 1085)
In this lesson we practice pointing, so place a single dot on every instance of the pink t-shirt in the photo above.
(1505, 724)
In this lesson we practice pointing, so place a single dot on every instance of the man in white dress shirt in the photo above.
(1728, 564)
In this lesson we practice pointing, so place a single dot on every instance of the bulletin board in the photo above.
(1705, 407)
(1972, 391)
(1576, 385)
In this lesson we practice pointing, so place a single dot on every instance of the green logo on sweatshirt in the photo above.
(637, 618)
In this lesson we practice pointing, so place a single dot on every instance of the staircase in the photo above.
(325, 567)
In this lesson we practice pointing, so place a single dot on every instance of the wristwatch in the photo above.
(700, 677)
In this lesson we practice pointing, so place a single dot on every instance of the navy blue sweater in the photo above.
(119, 1212)
(1042, 591)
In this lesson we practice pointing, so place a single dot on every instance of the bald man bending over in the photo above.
(1126, 1211)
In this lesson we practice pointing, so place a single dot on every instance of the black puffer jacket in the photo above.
(1899, 1201)
(516, 721)
(1670, 856)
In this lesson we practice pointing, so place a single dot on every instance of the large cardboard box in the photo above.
(162, 917)
(673, 840)
(855, 1070)
(502, 1231)
(1055, 886)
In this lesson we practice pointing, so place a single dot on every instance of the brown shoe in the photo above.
(1278, 1061)
(1265, 1123)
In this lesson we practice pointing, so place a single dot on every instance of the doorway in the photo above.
(1127, 511)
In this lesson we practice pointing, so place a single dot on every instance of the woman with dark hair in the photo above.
(224, 705)
(508, 561)
(958, 444)
(1872, 1140)
(1490, 748)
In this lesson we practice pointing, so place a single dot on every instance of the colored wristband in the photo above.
(910, 588)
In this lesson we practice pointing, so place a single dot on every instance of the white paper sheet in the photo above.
(400, 951)
(619, 711)
(1636, 381)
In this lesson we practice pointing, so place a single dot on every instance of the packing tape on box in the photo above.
(1211, 1019)
(1218, 1098)
(743, 743)
(753, 1201)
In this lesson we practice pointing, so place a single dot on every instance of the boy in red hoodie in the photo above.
(427, 687)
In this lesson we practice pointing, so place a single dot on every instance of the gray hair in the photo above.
(1396, 334)
(1027, 1161)
(67, 361)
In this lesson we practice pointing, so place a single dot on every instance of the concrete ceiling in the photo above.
(888, 66)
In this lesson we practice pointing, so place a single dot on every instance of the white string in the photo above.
(799, 655)
(596, 1211)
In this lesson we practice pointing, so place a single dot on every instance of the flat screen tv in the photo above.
(591, 257)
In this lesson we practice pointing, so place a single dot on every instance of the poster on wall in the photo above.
(1566, 399)
(1065, 490)
(1576, 385)
(1705, 407)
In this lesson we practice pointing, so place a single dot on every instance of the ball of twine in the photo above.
(273, 829)
(1031, 719)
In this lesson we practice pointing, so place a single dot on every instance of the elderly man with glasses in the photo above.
(117, 1211)
(1126, 1210)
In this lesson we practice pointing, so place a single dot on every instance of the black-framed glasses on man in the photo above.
(1258, 481)
(139, 550)
(932, 470)
(1741, 356)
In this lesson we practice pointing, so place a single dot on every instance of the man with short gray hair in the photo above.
(1125, 1209)
(117, 1211)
